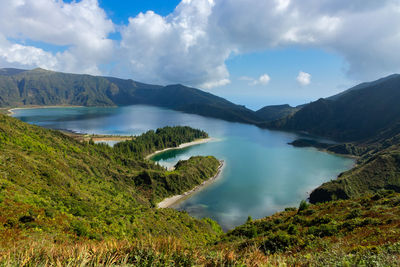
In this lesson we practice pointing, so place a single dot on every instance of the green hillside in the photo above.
(42, 87)
(356, 115)
(53, 184)
(275, 112)
(360, 232)
(377, 169)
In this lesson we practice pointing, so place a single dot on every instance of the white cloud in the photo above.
(282, 4)
(304, 78)
(209, 85)
(364, 32)
(175, 49)
(262, 80)
(21, 55)
(192, 44)
(82, 27)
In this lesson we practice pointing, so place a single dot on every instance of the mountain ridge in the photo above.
(355, 115)
(43, 87)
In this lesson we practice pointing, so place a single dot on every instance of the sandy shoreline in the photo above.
(111, 138)
(96, 137)
(195, 142)
(10, 110)
(168, 202)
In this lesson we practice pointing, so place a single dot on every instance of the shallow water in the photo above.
(262, 173)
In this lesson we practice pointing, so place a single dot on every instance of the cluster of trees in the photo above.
(162, 138)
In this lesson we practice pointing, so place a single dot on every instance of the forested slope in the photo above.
(356, 115)
(52, 183)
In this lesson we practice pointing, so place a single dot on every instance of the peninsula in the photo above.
(171, 201)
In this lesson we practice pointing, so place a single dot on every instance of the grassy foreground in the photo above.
(359, 232)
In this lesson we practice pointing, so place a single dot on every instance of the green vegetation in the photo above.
(358, 114)
(276, 112)
(151, 141)
(362, 231)
(52, 184)
(375, 171)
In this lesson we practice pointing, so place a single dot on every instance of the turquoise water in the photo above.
(262, 173)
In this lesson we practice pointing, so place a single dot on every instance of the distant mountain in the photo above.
(275, 112)
(357, 114)
(43, 87)
(362, 86)
(191, 100)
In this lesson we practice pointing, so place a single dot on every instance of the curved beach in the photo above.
(170, 201)
(10, 110)
(195, 142)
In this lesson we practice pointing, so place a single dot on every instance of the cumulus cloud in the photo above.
(304, 78)
(192, 44)
(262, 80)
(364, 32)
(82, 27)
(176, 48)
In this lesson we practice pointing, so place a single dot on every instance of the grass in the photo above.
(358, 232)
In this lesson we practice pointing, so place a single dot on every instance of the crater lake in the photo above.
(262, 173)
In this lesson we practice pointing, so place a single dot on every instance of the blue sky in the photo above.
(121, 10)
(255, 53)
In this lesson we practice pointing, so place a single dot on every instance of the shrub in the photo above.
(303, 205)
(290, 209)
(79, 228)
(320, 220)
(354, 214)
(26, 219)
(49, 213)
(382, 194)
(10, 223)
(292, 229)
(323, 230)
(279, 242)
